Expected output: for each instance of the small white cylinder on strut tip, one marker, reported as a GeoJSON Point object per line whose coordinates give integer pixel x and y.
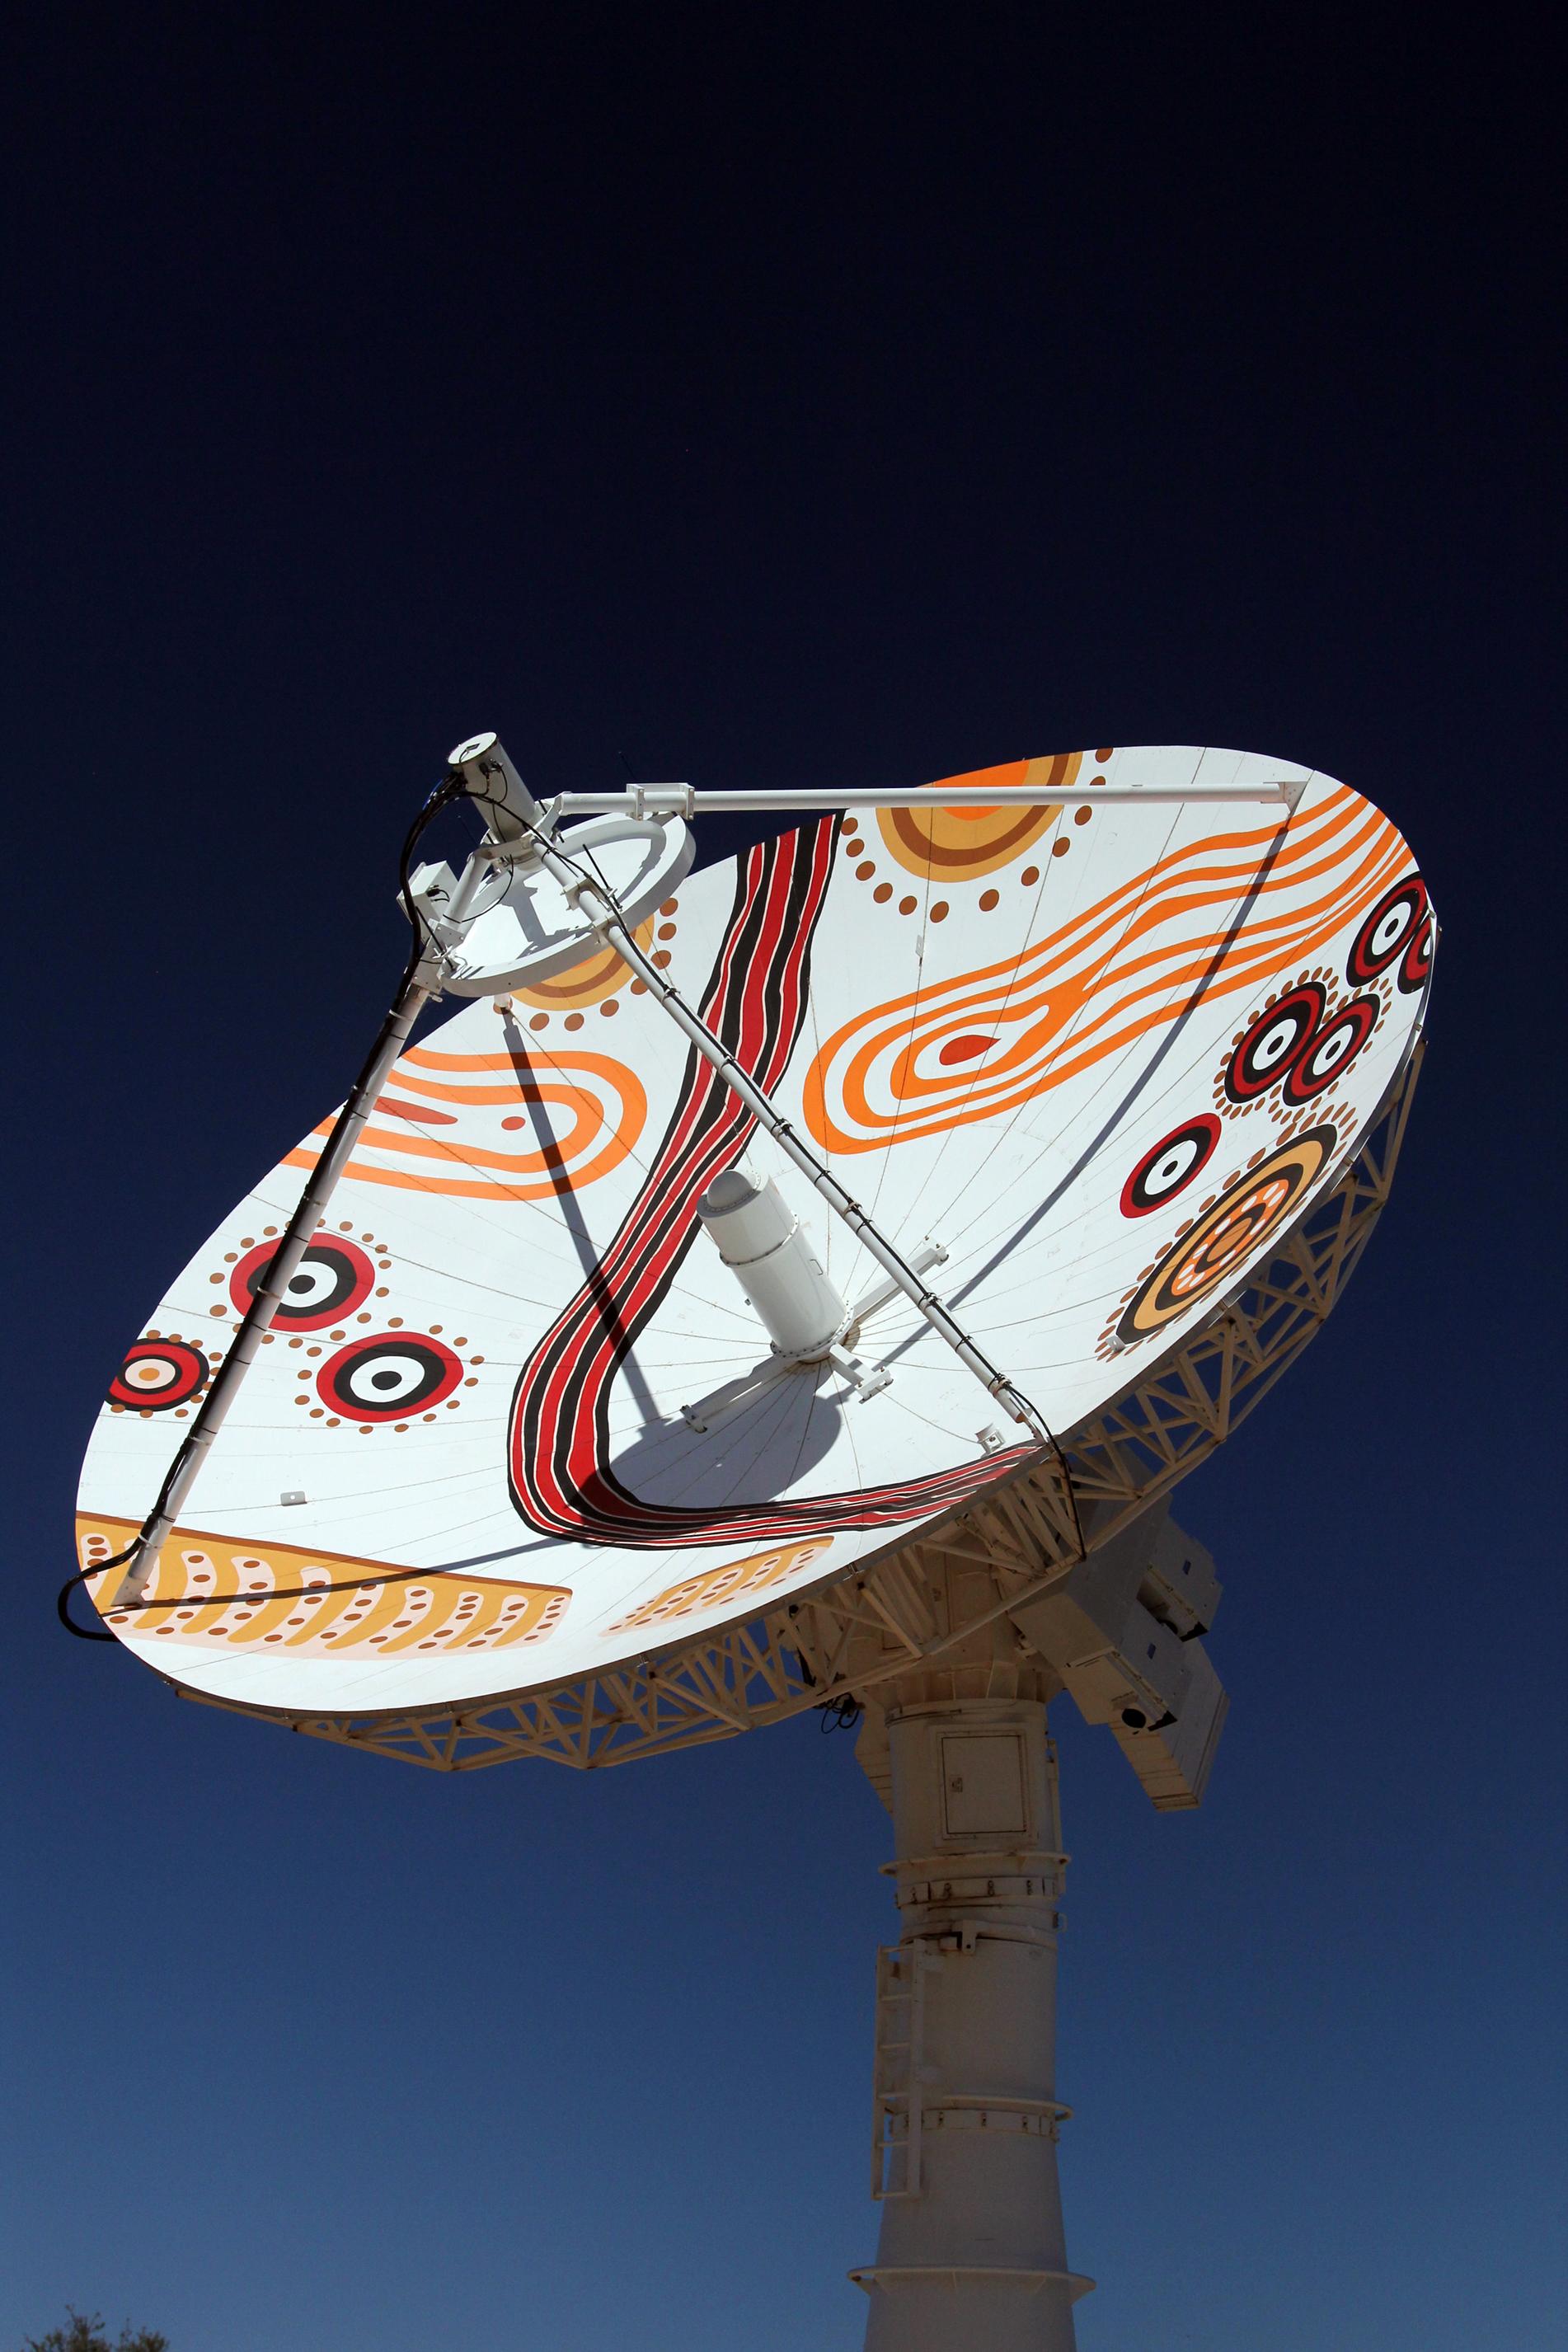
{"type": "Point", "coordinates": [474, 748]}
{"type": "Point", "coordinates": [760, 1239]}
{"type": "Point", "coordinates": [482, 762]}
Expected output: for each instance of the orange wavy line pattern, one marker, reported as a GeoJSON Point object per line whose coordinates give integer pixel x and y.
{"type": "Point", "coordinates": [1115, 966]}
{"type": "Point", "coordinates": [592, 1148]}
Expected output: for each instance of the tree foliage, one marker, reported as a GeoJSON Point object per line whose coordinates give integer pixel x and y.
{"type": "Point", "coordinates": [82, 2334]}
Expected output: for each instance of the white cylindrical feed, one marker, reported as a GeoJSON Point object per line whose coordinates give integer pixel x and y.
{"type": "Point", "coordinates": [491, 778]}
{"type": "Point", "coordinates": [761, 1242]}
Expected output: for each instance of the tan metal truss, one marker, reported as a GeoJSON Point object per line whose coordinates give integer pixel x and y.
{"type": "Point", "coordinates": [919, 1597]}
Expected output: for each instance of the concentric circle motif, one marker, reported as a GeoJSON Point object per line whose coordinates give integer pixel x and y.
{"type": "Point", "coordinates": [388, 1375]}
{"type": "Point", "coordinates": [959, 837]}
{"type": "Point", "coordinates": [1330, 1050]}
{"type": "Point", "coordinates": [158, 1374]}
{"type": "Point", "coordinates": [1393, 925]}
{"type": "Point", "coordinates": [1169, 1167]}
{"type": "Point", "coordinates": [1415, 964]}
{"type": "Point", "coordinates": [588, 983]}
{"type": "Point", "coordinates": [1213, 1251]}
{"type": "Point", "coordinates": [331, 1280]}
{"type": "Point", "coordinates": [1272, 1040]}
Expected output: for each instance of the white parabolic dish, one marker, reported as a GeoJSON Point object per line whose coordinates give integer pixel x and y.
{"type": "Point", "coordinates": [1102, 1057]}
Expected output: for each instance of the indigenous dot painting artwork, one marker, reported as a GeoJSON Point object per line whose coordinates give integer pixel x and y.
{"type": "Point", "coordinates": [1103, 1058]}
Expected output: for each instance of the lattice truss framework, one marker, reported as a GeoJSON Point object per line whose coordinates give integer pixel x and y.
{"type": "Point", "coordinates": [918, 1599]}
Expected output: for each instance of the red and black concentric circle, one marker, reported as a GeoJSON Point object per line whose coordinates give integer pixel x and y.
{"type": "Point", "coordinates": [331, 1280]}
{"type": "Point", "coordinates": [1330, 1050]}
{"type": "Point", "coordinates": [1216, 1249]}
{"type": "Point", "coordinates": [1415, 964]}
{"type": "Point", "coordinates": [388, 1376]}
{"type": "Point", "coordinates": [1170, 1165]}
{"type": "Point", "coordinates": [1272, 1040]}
{"type": "Point", "coordinates": [1391, 927]}
{"type": "Point", "coordinates": [158, 1374]}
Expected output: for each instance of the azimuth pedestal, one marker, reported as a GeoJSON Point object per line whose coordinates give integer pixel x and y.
{"type": "Point", "coordinates": [971, 2253]}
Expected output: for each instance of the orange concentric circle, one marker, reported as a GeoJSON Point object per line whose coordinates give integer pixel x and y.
{"type": "Point", "coordinates": [588, 983]}
{"type": "Point", "coordinates": [961, 839]}
{"type": "Point", "coordinates": [1213, 1251]}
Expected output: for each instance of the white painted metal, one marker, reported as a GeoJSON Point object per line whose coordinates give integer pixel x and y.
{"type": "Point", "coordinates": [864, 1380]}
{"type": "Point", "coordinates": [509, 923]}
{"type": "Point", "coordinates": [972, 2255]}
{"type": "Point", "coordinates": [763, 1244]}
{"type": "Point", "coordinates": [273, 1286]}
{"type": "Point", "coordinates": [882, 1294]}
{"type": "Point", "coordinates": [1120, 1630]}
{"type": "Point", "coordinates": [1179, 1585]}
{"type": "Point", "coordinates": [490, 779]}
{"type": "Point", "coordinates": [691, 801]}
{"type": "Point", "coordinates": [510, 1153]}
{"type": "Point", "coordinates": [852, 1634]}
{"type": "Point", "coordinates": [957, 1633]}
{"type": "Point", "coordinates": [504, 929]}
{"type": "Point", "coordinates": [604, 919]}
{"type": "Point", "coordinates": [1174, 1759]}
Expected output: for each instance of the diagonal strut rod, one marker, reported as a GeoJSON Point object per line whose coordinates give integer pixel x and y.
{"type": "Point", "coordinates": [597, 902]}
{"type": "Point", "coordinates": [521, 824]}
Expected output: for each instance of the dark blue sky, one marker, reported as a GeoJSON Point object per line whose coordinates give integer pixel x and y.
{"type": "Point", "coordinates": [852, 397]}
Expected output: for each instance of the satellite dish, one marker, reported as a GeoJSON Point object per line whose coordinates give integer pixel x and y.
{"type": "Point", "coordinates": [794, 1284]}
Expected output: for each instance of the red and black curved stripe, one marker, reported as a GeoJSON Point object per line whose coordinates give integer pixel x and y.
{"type": "Point", "coordinates": [755, 1001]}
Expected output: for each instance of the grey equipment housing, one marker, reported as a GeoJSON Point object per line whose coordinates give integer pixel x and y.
{"type": "Point", "coordinates": [1122, 1632]}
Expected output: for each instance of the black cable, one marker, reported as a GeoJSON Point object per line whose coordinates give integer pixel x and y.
{"type": "Point", "coordinates": [839, 1714]}
{"type": "Point", "coordinates": [221, 1600]}
{"type": "Point", "coordinates": [450, 788]}
{"type": "Point", "coordinates": [62, 1598]}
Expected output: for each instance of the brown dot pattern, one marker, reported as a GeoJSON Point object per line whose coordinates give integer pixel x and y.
{"type": "Point", "coordinates": [665, 929]}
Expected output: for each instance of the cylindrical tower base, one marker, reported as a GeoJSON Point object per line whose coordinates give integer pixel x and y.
{"type": "Point", "coordinates": [936, 2310]}
{"type": "Point", "coordinates": [970, 2256]}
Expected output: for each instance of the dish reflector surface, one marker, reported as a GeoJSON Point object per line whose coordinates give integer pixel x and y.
{"type": "Point", "coordinates": [1101, 1057]}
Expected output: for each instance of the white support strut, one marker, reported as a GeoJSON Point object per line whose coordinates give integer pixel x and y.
{"type": "Point", "coordinates": [524, 829]}
{"type": "Point", "coordinates": [271, 1290]}
{"type": "Point", "coordinates": [689, 801]}
{"type": "Point", "coordinates": [521, 825]}
{"type": "Point", "coordinates": [601, 913]}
